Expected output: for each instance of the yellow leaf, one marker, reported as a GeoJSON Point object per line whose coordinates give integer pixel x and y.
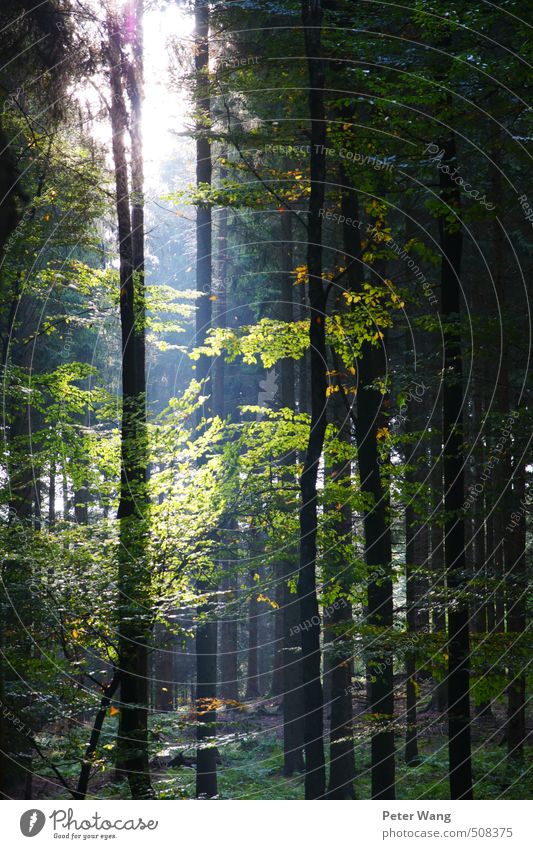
{"type": "Point", "coordinates": [268, 600]}
{"type": "Point", "coordinates": [113, 711]}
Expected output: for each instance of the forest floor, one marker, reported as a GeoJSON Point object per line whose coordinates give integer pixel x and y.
{"type": "Point", "coordinates": [251, 758]}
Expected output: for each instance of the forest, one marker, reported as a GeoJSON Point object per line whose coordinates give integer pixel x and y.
{"type": "Point", "coordinates": [265, 472]}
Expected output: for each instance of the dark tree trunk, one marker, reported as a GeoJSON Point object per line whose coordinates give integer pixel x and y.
{"type": "Point", "coordinates": [16, 616]}
{"type": "Point", "coordinates": [206, 628]}
{"type": "Point", "coordinates": [228, 630]}
{"type": "Point", "coordinates": [491, 543]}
{"type": "Point", "coordinates": [339, 651]}
{"type": "Point", "coordinates": [315, 771]}
{"type": "Point", "coordinates": [453, 472]}
{"type": "Point", "coordinates": [52, 495]}
{"type": "Point", "coordinates": [517, 588]}
{"type": "Point", "coordinates": [438, 611]}
{"type": "Point", "coordinates": [288, 669]}
{"type": "Point", "coordinates": [499, 551]}
{"type": "Point", "coordinates": [88, 758]}
{"type": "Point", "coordinates": [11, 190]}
{"type": "Point", "coordinates": [287, 400]}
{"type": "Point", "coordinates": [477, 547]}
{"type": "Point", "coordinates": [439, 689]}
{"type": "Point", "coordinates": [416, 557]}
{"type": "Point", "coordinates": [378, 554]}
{"type": "Point", "coordinates": [293, 694]}
{"type": "Point", "coordinates": [228, 625]}
{"type": "Point", "coordinates": [134, 577]}
{"type": "Point", "coordinates": [341, 753]}
{"type": "Point", "coordinates": [276, 688]}
{"type": "Point", "coordinates": [378, 559]}
{"type": "Point", "coordinates": [252, 676]}
{"type": "Point", "coordinates": [163, 665]}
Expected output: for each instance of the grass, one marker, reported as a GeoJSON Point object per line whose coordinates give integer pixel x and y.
{"type": "Point", "coordinates": [253, 768]}
{"type": "Point", "coordinates": [255, 772]}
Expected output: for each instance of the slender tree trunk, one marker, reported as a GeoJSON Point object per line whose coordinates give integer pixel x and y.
{"type": "Point", "coordinates": [15, 599]}
{"type": "Point", "coordinates": [228, 625]}
{"type": "Point", "coordinates": [252, 678]}
{"type": "Point", "coordinates": [206, 628]}
{"type": "Point", "coordinates": [315, 772]}
{"type": "Point", "coordinates": [453, 468]}
{"type": "Point", "coordinates": [88, 758]}
{"type": "Point", "coordinates": [517, 587]}
{"type": "Point", "coordinates": [163, 665]}
{"type": "Point", "coordinates": [287, 400]}
{"type": "Point", "coordinates": [339, 652]}
{"type": "Point", "coordinates": [134, 575]}
{"type": "Point", "coordinates": [52, 495]}
{"type": "Point", "coordinates": [228, 628]}
{"type": "Point", "coordinates": [288, 669]}
{"type": "Point", "coordinates": [416, 557]}
{"type": "Point", "coordinates": [478, 548]}
{"type": "Point", "coordinates": [439, 691]}
{"type": "Point", "coordinates": [276, 688]}
{"type": "Point", "coordinates": [293, 694]}
{"type": "Point", "coordinates": [378, 559]}
{"type": "Point", "coordinates": [378, 553]}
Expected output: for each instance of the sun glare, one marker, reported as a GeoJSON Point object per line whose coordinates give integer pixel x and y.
{"type": "Point", "coordinates": [165, 108]}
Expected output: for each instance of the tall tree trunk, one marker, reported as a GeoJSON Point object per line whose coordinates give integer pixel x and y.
{"type": "Point", "coordinates": [228, 641]}
{"type": "Point", "coordinates": [378, 553]}
{"type": "Point", "coordinates": [339, 653]}
{"type": "Point", "coordinates": [478, 548]}
{"type": "Point", "coordinates": [315, 771]}
{"type": "Point", "coordinates": [276, 688]}
{"type": "Point", "coordinates": [134, 575]}
{"type": "Point", "coordinates": [252, 675]}
{"type": "Point", "coordinates": [288, 667]}
{"type": "Point", "coordinates": [163, 666]}
{"type": "Point", "coordinates": [229, 672]}
{"type": "Point", "coordinates": [206, 628]}
{"type": "Point", "coordinates": [52, 494]}
{"type": "Point", "coordinates": [416, 557]}
{"type": "Point", "coordinates": [451, 239]}
{"type": "Point", "coordinates": [517, 587]}
{"type": "Point", "coordinates": [228, 625]}
{"type": "Point", "coordinates": [439, 691]}
{"type": "Point", "coordinates": [378, 559]}
{"type": "Point", "coordinates": [15, 599]}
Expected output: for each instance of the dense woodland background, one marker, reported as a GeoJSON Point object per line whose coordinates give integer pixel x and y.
{"type": "Point", "coordinates": [265, 479]}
